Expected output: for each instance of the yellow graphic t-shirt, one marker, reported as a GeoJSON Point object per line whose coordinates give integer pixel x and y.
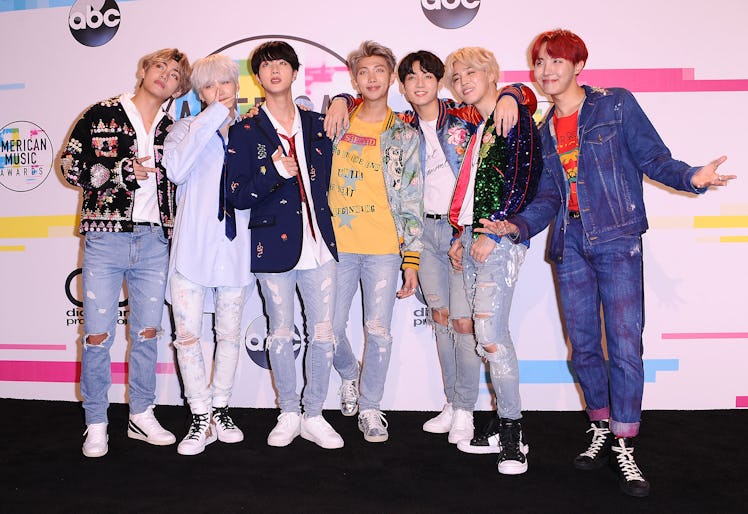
{"type": "Point", "coordinates": [361, 214]}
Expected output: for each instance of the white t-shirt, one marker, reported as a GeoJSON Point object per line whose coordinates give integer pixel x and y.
{"type": "Point", "coordinates": [439, 182]}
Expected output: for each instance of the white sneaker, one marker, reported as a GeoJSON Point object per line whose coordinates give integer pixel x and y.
{"type": "Point", "coordinates": [145, 426]}
{"type": "Point", "coordinates": [317, 430]}
{"type": "Point", "coordinates": [442, 422]}
{"type": "Point", "coordinates": [462, 427]}
{"type": "Point", "coordinates": [200, 435]}
{"type": "Point", "coordinates": [349, 397]}
{"type": "Point", "coordinates": [227, 431]}
{"type": "Point", "coordinates": [286, 430]}
{"type": "Point", "coordinates": [372, 423]}
{"type": "Point", "coordinates": [96, 443]}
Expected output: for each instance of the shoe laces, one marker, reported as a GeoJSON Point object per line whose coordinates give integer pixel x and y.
{"type": "Point", "coordinates": [320, 423]}
{"type": "Point", "coordinates": [373, 419]}
{"type": "Point", "coordinates": [287, 418]}
{"type": "Point", "coordinates": [510, 435]}
{"type": "Point", "coordinates": [462, 419]}
{"type": "Point", "coordinates": [96, 431]}
{"type": "Point", "coordinates": [221, 415]}
{"type": "Point", "coordinates": [147, 421]}
{"type": "Point", "coordinates": [626, 463]}
{"type": "Point", "coordinates": [599, 437]}
{"type": "Point", "coordinates": [199, 423]}
{"type": "Point", "coordinates": [349, 391]}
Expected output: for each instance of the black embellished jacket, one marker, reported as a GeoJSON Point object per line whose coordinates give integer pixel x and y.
{"type": "Point", "coordinates": [98, 159]}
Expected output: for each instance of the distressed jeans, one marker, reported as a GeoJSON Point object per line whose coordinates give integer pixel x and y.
{"type": "Point", "coordinates": [378, 275]}
{"type": "Point", "coordinates": [317, 288]}
{"type": "Point", "coordinates": [490, 287]}
{"type": "Point", "coordinates": [140, 258]}
{"type": "Point", "coordinates": [609, 274]}
{"type": "Point", "coordinates": [444, 288]}
{"type": "Point", "coordinates": [187, 299]}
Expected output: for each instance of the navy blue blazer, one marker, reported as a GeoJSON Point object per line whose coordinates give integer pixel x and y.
{"type": "Point", "coordinates": [275, 202]}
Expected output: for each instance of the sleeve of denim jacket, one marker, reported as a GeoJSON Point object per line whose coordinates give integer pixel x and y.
{"type": "Point", "coordinates": [543, 208]}
{"type": "Point", "coordinates": [648, 150]}
{"type": "Point", "coordinates": [251, 176]}
{"type": "Point", "coordinates": [187, 139]}
{"type": "Point", "coordinates": [410, 201]}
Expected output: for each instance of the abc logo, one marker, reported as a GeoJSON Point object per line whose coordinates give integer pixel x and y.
{"type": "Point", "coordinates": [254, 342]}
{"type": "Point", "coordinates": [94, 22]}
{"type": "Point", "coordinates": [450, 14]}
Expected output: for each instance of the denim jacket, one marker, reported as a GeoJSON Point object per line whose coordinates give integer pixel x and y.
{"type": "Point", "coordinates": [617, 146]}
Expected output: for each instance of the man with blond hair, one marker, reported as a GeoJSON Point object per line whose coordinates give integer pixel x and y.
{"type": "Point", "coordinates": [127, 215]}
{"type": "Point", "coordinates": [498, 177]}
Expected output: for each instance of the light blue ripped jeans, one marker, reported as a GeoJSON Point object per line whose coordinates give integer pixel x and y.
{"type": "Point", "coordinates": [378, 275]}
{"type": "Point", "coordinates": [490, 287]}
{"type": "Point", "coordinates": [187, 299]}
{"type": "Point", "coordinates": [444, 288]}
{"type": "Point", "coordinates": [317, 288]}
{"type": "Point", "coordinates": [141, 258]}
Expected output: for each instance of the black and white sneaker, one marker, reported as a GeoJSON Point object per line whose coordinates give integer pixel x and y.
{"type": "Point", "coordinates": [487, 441]}
{"type": "Point", "coordinates": [630, 477]}
{"type": "Point", "coordinates": [224, 426]}
{"type": "Point", "coordinates": [513, 456]}
{"type": "Point", "coordinates": [599, 450]}
{"type": "Point", "coordinates": [200, 435]}
{"type": "Point", "coordinates": [145, 427]}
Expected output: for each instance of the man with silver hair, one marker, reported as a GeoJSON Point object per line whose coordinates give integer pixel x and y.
{"type": "Point", "coordinates": [208, 271]}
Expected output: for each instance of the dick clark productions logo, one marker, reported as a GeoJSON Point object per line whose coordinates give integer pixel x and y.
{"type": "Point", "coordinates": [94, 22]}
{"type": "Point", "coordinates": [450, 14]}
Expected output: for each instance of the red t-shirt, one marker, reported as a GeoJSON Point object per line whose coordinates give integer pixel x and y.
{"type": "Point", "coordinates": [568, 152]}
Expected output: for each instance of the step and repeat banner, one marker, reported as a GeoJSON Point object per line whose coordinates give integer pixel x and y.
{"type": "Point", "coordinates": [684, 68]}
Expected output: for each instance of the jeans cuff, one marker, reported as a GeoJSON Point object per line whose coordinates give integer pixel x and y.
{"type": "Point", "coordinates": [599, 414]}
{"type": "Point", "coordinates": [620, 429]}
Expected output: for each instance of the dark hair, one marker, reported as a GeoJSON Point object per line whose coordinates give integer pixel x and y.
{"type": "Point", "coordinates": [273, 51]}
{"type": "Point", "coordinates": [560, 43]}
{"type": "Point", "coordinates": [429, 63]}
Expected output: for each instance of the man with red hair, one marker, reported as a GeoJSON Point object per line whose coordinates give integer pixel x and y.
{"type": "Point", "coordinates": [603, 137]}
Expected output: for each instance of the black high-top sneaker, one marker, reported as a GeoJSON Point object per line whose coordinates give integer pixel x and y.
{"type": "Point", "coordinates": [599, 450]}
{"type": "Point", "coordinates": [486, 441]}
{"type": "Point", "coordinates": [631, 479]}
{"type": "Point", "coordinates": [513, 456]}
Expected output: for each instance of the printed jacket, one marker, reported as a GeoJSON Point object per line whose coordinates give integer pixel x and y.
{"type": "Point", "coordinates": [401, 169]}
{"type": "Point", "coordinates": [253, 182]}
{"type": "Point", "coordinates": [617, 146]}
{"type": "Point", "coordinates": [98, 159]}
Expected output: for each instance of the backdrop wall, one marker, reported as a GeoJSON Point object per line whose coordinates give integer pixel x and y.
{"type": "Point", "coordinates": [684, 67]}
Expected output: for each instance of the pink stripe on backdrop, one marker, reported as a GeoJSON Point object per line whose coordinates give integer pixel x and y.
{"type": "Point", "coordinates": [741, 401]}
{"type": "Point", "coordinates": [32, 347]}
{"type": "Point", "coordinates": [705, 335]}
{"type": "Point", "coordinates": [42, 371]}
{"type": "Point", "coordinates": [652, 80]}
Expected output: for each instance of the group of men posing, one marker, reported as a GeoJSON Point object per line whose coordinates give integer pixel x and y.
{"type": "Point", "coordinates": [447, 195]}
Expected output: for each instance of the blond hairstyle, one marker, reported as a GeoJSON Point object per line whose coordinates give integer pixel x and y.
{"type": "Point", "coordinates": [164, 56]}
{"type": "Point", "coordinates": [474, 57]}
{"type": "Point", "coordinates": [370, 49]}
{"type": "Point", "coordinates": [211, 68]}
